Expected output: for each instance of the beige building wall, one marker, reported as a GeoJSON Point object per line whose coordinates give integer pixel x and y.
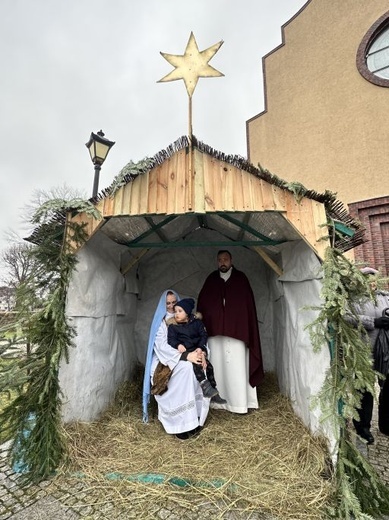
{"type": "Point", "coordinates": [324, 125]}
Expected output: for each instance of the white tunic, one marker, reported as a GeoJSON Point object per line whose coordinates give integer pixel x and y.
{"type": "Point", "coordinates": [230, 360]}
{"type": "Point", "coordinates": [182, 407]}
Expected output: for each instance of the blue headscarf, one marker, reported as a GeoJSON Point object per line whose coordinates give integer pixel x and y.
{"type": "Point", "coordinates": [159, 314]}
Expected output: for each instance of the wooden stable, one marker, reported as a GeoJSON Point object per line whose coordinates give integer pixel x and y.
{"type": "Point", "coordinates": [192, 181]}
{"type": "Point", "coordinates": [161, 224]}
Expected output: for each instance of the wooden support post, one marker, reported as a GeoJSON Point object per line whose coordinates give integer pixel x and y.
{"type": "Point", "coordinates": [134, 261]}
{"type": "Point", "coordinates": [268, 260]}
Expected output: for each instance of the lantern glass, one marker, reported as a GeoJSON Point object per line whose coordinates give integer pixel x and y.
{"type": "Point", "coordinates": [98, 147]}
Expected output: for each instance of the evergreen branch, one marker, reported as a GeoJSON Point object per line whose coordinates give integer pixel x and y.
{"type": "Point", "coordinates": [358, 490]}
{"type": "Point", "coordinates": [52, 208]}
{"type": "Point", "coordinates": [129, 172]}
{"type": "Point", "coordinates": [32, 421]}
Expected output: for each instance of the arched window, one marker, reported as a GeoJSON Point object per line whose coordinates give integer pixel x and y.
{"type": "Point", "coordinates": [377, 58]}
{"type": "Point", "coordinates": [373, 53]}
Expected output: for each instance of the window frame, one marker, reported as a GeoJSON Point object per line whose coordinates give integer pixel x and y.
{"type": "Point", "coordinates": [378, 26]}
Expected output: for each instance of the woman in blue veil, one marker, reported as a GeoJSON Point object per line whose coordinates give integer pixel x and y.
{"type": "Point", "coordinates": [182, 409]}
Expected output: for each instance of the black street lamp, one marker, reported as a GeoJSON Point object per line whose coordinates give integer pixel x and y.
{"type": "Point", "coordinates": [98, 148]}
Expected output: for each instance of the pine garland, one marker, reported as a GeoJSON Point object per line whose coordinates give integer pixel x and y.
{"type": "Point", "coordinates": [32, 421]}
{"type": "Point", "coordinates": [358, 490]}
{"type": "Point", "coordinates": [129, 172]}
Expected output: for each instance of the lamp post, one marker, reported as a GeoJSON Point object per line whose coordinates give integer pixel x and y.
{"type": "Point", "coordinates": [98, 147]}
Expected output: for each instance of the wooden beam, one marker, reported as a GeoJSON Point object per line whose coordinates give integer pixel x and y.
{"type": "Point", "coordinates": [182, 243]}
{"type": "Point", "coordinates": [133, 261]}
{"type": "Point", "coordinates": [308, 218]}
{"type": "Point", "coordinates": [268, 260]}
{"type": "Point", "coordinates": [249, 229]}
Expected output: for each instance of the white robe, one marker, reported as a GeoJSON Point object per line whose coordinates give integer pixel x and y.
{"type": "Point", "coordinates": [182, 407]}
{"type": "Point", "coordinates": [230, 360]}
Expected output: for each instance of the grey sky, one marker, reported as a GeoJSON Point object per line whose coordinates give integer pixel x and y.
{"type": "Point", "coordinates": [69, 67]}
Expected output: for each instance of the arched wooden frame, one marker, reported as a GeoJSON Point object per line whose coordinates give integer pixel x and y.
{"type": "Point", "coordinates": [367, 40]}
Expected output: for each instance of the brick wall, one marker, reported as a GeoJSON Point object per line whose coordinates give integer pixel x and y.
{"type": "Point", "coordinates": [374, 215]}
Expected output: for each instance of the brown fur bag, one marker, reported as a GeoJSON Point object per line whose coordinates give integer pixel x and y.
{"type": "Point", "coordinates": [161, 378]}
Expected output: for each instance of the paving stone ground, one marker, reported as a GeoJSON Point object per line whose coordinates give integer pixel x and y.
{"type": "Point", "coordinates": [57, 500]}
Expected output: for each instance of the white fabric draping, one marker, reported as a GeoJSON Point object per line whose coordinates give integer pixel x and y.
{"type": "Point", "coordinates": [230, 360]}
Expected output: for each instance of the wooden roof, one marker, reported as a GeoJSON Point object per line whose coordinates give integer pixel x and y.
{"type": "Point", "coordinates": [192, 179]}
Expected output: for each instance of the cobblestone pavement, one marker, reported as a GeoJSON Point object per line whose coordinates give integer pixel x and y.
{"type": "Point", "coordinates": [58, 500]}
{"type": "Point", "coordinates": [378, 454]}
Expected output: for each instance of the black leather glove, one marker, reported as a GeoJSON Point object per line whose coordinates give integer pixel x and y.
{"type": "Point", "coordinates": [381, 323]}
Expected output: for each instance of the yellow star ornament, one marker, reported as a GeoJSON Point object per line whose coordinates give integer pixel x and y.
{"type": "Point", "coordinates": [192, 65]}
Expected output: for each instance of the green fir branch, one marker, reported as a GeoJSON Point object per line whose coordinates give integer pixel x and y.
{"type": "Point", "coordinates": [130, 170]}
{"type": "Point", "coordinates": [358, 491]}
{"type": "Point", "coordinates": [32, 420]}
{"type": "Point", "coordinates": [50, 209]}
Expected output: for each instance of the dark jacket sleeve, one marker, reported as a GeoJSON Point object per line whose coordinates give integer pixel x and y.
{"type": "Point", "coordinates": [203, 336]}
{"type": "Point", "coordinates": [172, 336]}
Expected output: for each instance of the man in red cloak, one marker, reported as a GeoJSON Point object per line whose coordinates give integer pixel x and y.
{"type": "Point", "coordinates": [227, 305]}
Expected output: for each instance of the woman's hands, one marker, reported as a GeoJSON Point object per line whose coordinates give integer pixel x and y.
{"type": "Point", "coordinates": [197, 357]}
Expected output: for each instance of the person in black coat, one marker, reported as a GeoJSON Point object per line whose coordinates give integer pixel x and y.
{"type": "Point", "coordinates": [373, 317]}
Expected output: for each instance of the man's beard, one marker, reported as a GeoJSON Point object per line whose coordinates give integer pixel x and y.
{"type": "Point", "coordinates": [223, 268]}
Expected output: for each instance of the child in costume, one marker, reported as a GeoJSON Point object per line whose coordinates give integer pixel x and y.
{"type": "Point", "coordinates": [187, 333]}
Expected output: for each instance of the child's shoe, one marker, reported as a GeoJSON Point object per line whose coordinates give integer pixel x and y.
{"type": "Point", "coordinates": [207, 388]}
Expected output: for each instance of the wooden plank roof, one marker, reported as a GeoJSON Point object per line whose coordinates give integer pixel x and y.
{"type": "Point", "coordinates": [190, 178]}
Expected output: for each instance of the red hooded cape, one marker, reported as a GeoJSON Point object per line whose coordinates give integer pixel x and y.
{"type": "Point", "coordinates": [236, 319]}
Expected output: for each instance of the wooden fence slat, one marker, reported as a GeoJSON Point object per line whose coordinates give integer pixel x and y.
{"type": "Point", "coordinates": [135, 194]}
{"type": "Point", "coordinates": [268, 202]}
{"type": "Point", "coordinates": [218, 184]}
{"type": "Point", "coordinates": [181, 190]}
{"type": "Point", "coordinates": [256, 194]}
{"type": "Point", "coordinates": [247, 192]}
{"type": "Point", "coordinates": [162, 188]}
{"type": "Point", "coordinates": [143, 194]}
{"type": "Point", "coordinates": [153, 190]}
{"type": "Point", "coordinates": [208, 185]}
{"type": "Point", "coordinates": [118, 202]}
{"type": "Point", "coordinates": [126, 206]}
{"type": "Point", "coordinates": [237, 187]}
{"type": "Point", "coordinates": [108, 207]}
{"type": "Point", "coordinates": [199, 202]}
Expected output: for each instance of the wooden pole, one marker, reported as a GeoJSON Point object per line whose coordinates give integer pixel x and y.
{"type": "Point", "coordinates": [190, 119]}
{"type": "Point", "coordinates": [190, 158]}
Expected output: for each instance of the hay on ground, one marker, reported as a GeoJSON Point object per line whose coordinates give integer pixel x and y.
{"type": "Point", "coordinates": [264, 461]}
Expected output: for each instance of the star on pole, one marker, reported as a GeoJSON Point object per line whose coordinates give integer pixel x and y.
{"type": "Point", "coordinates": [192, 65]}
